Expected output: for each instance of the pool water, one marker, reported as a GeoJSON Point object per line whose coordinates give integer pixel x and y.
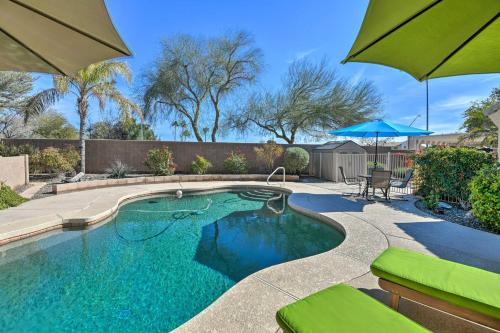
{"type": "Point", "coordinates": [155, 265]}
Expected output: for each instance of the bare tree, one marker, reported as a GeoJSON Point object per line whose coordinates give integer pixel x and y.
{"type": "Point", "coordinates": [313, 99]}
{"type": "Point", "coordinates": [193, 75]}
{"type": "Point", "coordinates": [234, 62]}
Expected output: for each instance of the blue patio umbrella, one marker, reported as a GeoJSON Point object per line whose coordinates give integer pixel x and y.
{"type": "Point", "coordinates": [378, 128]}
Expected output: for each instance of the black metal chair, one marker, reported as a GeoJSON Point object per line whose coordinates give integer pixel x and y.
{"type": "Point", "coordinates": [350, 180]}
{"type": "Point", "coordinates": [382, 180]}
{"type": "Point", "coordinates": [403, 183]}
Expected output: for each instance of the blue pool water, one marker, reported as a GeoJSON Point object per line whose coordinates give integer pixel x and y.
{"type": "Point", "coordinates": [155, 265]}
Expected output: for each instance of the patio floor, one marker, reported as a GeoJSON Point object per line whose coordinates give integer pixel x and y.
{"type": "Point", "coordinates": [251, 304]}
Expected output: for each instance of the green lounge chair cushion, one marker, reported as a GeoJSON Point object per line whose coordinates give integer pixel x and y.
{"type": "Point", "coordinates": [462, 285]}
{"type": "Point", "coordinates": [342, 309]}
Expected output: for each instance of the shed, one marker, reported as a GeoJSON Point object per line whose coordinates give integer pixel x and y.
{"type": "Point", "coordinates": [325, 158]}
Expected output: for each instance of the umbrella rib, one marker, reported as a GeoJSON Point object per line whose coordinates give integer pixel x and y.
{"type": "Point", "coordinates": [86, 34]}
{"type": "Point", "coordinates": [411, 18]}
{"type": "Point", "coordinates": [461, 46]}
{"type": "Point", "coordinates": [38, 55]}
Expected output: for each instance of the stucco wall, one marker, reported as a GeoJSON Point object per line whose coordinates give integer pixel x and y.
{"type": "Point", "coordinates": [14, 171]}
{"type": "Point", "coordinates": [101, 153]}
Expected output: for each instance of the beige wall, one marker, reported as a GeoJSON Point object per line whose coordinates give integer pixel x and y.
{"type": "Point", "coordinates": [14, 171]}
{"type": "Point", "coordinates": [101, 153]}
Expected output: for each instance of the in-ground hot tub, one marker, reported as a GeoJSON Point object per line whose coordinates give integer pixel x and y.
{"type": "Point", "coordinates": [158, 262]}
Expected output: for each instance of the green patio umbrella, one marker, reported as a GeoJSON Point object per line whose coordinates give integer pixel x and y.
{"type": "Point", "coordinates": [56, 36]}
{"type": "Point", "coordinates": [430, 38]}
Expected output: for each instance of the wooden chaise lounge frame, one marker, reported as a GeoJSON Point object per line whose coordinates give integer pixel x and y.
{"type": "Point", "coordinates": [397, 291]}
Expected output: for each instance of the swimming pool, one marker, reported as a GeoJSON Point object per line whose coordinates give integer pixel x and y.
{"type": "Point", "coordinates": [158, 262]}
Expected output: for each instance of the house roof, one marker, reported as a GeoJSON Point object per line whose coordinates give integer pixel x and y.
{"type": "Point", "coordinates": [331, 145]}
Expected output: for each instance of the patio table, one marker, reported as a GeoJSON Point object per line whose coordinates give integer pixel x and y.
{"type": "Point", "coordinates": [368, 179]}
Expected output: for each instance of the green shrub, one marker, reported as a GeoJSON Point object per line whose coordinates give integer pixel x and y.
{"type": "Point", "coordinates": [447, 172]}
{"type": "Point", "coordinates": [118, 169]}
{"type": "Point", "coordinates": [49, 160]}
{"type": "Point", "coordinates": [485, 196]}
{"type": "Point", "coordinates": [9, 198]}
{"type": "Point", "coordinates": [200, 165]}
{"type": "Point", "coordinates": [296, 160]}
{"type": "Point", "coordinates": [236, 163]}
{"type": "Point", "coordinates": [268, 154]}
{"type": "Point", "coordinates": [10, 150]}
{"type": "Point", "coordinates": [431, 200]}
{"type": "Point", "coordinates": [71, 155]}
{"type": "Point", "coordinates": [161, 162]}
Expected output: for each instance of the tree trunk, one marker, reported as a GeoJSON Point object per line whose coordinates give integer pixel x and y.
{"type": "Point", "coordinates": [216, 121]}
{"type": "Point", "coordinates": [82, 111]}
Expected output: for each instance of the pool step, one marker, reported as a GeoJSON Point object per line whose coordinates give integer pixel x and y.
{"type": "Point", "coordinates": [260, 195]}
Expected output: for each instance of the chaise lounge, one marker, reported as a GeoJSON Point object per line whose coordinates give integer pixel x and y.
{"type": "Point", "coordinates": [343, 309]}
{"type": "Point", "coordinates": [464, 291]}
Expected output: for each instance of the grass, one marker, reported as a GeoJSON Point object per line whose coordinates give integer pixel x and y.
{"type": "Point", "coordinates": [9, 198]}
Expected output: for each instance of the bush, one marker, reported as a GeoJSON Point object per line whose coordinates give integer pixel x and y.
{"type": "Point", "coordinates": [485, 196]}
{"type": "Point", "coordinates": [71, 155]}
{"type": "Point", "coordinates": [161, 162]}
{"type": "Point", "coordinates": [49, 160]}
{"type": "Point", "coordinates": [296, 160]}
{"type": "Point", "coordinates": [7, 150]}
{"type": "Point", "coordinates": [9, 198]}
{"type": "Point", "coordinates": [447, 172]}
{"type": "Point", "coordinates": [200, 165]}
{"type": "Point", "coordinates": [236, 163]}
{"type": "Point", "coordinates": [268, 154]}
{"type": "Point", "coordinates": [118, 169]}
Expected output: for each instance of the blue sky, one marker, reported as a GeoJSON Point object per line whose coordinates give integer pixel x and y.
{"type": "Point", "coordinates": [288, 30]}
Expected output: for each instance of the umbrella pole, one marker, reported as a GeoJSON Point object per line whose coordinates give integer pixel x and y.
{"type": "Point", "coordinates": [376, 151]}
{"type": "Point", "coordinates": [427, 105]}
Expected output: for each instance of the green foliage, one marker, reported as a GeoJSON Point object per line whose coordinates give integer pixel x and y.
{"type": "Point", "coordinates": [53, 125]}
{"type": "Point", "coordinates": [50, 160]}
{"type": "Point", "coordinates": [200, 165]}
{"type": "Point", "coordinates": [71, 155]}
{"type": "Point", "coordinates": [431, 200]}
{"type": "Point", "coordinates": [161, 161]}
{"type": "Point", "coordinates": [236, 163]}
{"type": "Point", "coordinates": [10, 150]}
{"type": "Point", "coordinates": [126, 129]}
{"type": "Point", "coordinates": [268, 154]}
{"type": "Point", "coordinates": [296, 160]}
{"type": "Point", "coordinates": [118, 169]}
{"type": "Point", "coordinates": [477, 124]}
{"type": "Point", "coordinates": [9, 198]}
{"type": "Point", "coordinates": [447, 172]}
{"type": "Point", "coordinates": [485, 196]}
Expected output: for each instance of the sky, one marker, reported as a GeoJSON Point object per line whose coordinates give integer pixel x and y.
{"type": "Point", "coordinates": [285, 31]}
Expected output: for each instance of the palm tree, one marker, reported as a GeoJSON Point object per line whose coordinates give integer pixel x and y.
{"type": "Point", "coordinates": [185, 134]}
{"type": "Point", "coordinates": [205, 131]}
{"type": "Point", "coordinates": [175, 124]}
{"type": "Point", "coordinates": [96, 82]}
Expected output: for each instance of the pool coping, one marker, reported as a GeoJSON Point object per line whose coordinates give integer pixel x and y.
{"type": "Point", "coordinates": [281, 284]}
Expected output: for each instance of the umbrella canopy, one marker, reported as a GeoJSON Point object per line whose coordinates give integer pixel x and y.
{"type": "Point", "coordinates": [431, 38]}
{"type": "Point", "coordinates": [379, 128]}
{"type": "Point", "coordinates": [56, 36]}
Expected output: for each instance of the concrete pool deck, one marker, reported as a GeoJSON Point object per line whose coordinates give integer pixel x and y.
{"type": "Point", "coordinates": [251, 304]}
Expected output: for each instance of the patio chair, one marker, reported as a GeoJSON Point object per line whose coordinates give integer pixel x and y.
{"type": "Point", "coordinates": [464, 291]}
{"type": "Point", "coordinates": [403, 183]}
{"type": "Point", "coordinates": [381, 179]}
{"type": "Point", "coordinates": [342, 308]}
{"type": "Point", "coordinates": [350, 180]}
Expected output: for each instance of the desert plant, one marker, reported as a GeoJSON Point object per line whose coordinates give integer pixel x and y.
{"type": "Point", "coordinates": [268, 154]}
{"type": "Point", "coordinates": [448, 171]}
{"type": "Point", "coordinates": [9, 198]}
{"type": "Point", "coordinates": [11, 150]}
{"type": "Point", "coordinates": [236, 163]}
{"type": "Point", "coordinates": [71, 155]}
{"type": "Point", "coordinates": [200, 165]}
{"type": "Point", "coordinates": [118, 169]}
{"type": "Point", "coordinates": [161, 161]}
{"type": "Point", "coordinates": [49, 160]}
{"type": "Point", "coordinates": [296, 160]}
{"type": "Point", "coordinates": [485, 196]}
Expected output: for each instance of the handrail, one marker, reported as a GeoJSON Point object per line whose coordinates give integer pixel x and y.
{"type": "Point", "coordinates": [275, 211]}
{"type": "Point", "coordinates": [272, 174]}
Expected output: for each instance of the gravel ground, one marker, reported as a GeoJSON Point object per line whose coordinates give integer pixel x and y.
{"type": "Point", "coordinates": [456, 215]}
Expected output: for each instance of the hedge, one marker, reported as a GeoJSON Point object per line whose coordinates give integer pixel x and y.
{"type": "Point", "coordinates": [485, 197]}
